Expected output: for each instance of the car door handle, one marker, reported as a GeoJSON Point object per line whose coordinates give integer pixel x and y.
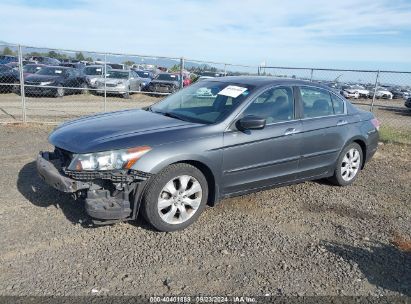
{"type": "Point", "coordinates": [342, 122]}
{"type": "Point", "coordinates": [290, 131]}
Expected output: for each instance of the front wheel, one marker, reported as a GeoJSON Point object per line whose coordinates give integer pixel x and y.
{"type": "Point", "coordinates": [59, 91]}
{"type": "Point", "coordinates": [175, 197]}
{"type": "Point", "coordinates": [348, 165]}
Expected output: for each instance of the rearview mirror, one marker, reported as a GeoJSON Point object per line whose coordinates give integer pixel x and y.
{"type": "Point", "coordinates": [251, 122]}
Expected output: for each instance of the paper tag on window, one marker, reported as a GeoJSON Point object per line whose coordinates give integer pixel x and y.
{"type": "Point", "coordinates": [58, 71]}
{"type": "Point", "coordinates": [232, 91]}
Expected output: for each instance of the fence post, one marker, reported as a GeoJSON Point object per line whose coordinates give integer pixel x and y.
{"type": "Point", "coordinates": [258, 70]}
{"type": "Point", "coordinates": [375, 90]}
{"type": "Point", "coordinates": [225, 69]}
{"type": "Point", "coordinates": [181, 72]}
{"type": "Point", "coordinates": [22, 93]}
{"type": "Point", "coordinates": [311, 75]}
{"type": "Point", "coordinates": [105, 85]}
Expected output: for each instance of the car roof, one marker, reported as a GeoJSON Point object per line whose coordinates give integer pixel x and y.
{"type": "Point", "coordinates": [261, 81]}
{"type": "Point", "coordinates": [119, 70]}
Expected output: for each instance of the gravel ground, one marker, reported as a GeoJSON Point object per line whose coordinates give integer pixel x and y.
{"type": "Point", "coordinates": [306, 239]}
{"type": "Point", "coordinates": [391, 113]}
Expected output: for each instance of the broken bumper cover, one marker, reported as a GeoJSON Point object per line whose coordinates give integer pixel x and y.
{"type": "Point", "coordinates": [49, 173]}
{"type": "Point", "coordinates": [99, 202]}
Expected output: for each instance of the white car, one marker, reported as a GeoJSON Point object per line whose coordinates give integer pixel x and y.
{"type": "Point", "coordinates": [383, 93]}
{"type": "Point", "coordinates": [347, 93]}
{"type": "Point", "coordinates": [362, 92]}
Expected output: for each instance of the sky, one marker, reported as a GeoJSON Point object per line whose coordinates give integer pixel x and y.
{"type": "Point", "coordinates": [362, 34]}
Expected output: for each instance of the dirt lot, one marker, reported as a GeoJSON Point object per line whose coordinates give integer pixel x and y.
{"type": "Point", "coordinates": [392, 113]}
{"type": "Point", "coordinates": [307, 239]}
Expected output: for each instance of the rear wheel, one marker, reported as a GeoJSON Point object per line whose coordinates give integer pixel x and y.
{"type": "Point", "coordinates": [348, 165]}
{"type": "Point", "coordinates": [175, 197]}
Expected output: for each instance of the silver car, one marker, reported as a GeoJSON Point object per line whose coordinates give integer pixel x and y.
{"type": "Point", "coordinates": [94, 72]}
{"type": "Point", "coordinates": [122, 82]}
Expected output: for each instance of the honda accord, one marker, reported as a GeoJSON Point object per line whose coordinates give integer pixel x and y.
{"type": "Point", "coordinates": [192, 149]}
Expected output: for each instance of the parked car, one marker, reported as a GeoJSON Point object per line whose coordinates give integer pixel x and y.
{"type": "Point", "coordinates": [348, 93]}
{"type": "Point", "coordinates": [30, 69]}
{"type": "Point", "coordinates": [45, 60]}
{"type": "Point", "coordinates": [4, 59]}
{"type": "Point", "coordinates": [382, 92]}
{"type": "Point", "coordinates": [92, 73]}
{"type": "Point", "coordinates": [147, 76]}
{"type": "Point", "coordinates": [408, 103]}
{"type": "Point", "coordinates": [164, 83]}
{"type": "Point", "coordinates": [117, 66]}
{"type": "Point", "coordinates": [122, 82]}
{"type": "Point", "coordinates": [354, 89]}
{"type": "Point", "coordinates": [55, 81]}
{"type": "Point", "coordinates": [8, 78]}
{"type": "Point", "coordinates": [173, 158]}
{"type": "Point", "coordinates": [74, 65]}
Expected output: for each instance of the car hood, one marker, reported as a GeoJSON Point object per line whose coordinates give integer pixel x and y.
{"type": "Point", "coordinates": [115, 130]}
{"type": "Point", "coordinates": [40, 78]}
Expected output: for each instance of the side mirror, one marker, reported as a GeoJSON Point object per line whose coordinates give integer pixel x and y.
{"type": "Point", "coordinates": [250, 122]}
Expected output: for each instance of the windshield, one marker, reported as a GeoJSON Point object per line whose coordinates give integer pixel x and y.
{"type": "Point", "coordinates": [118, 74]}
{"type": "Point", "coordinates": [52, 71]}
{"type": "Point", "coordinates": [169, 77]}
{"type": "Point", "coordinates": [205, 102]}
{"type": "Point", "coordinates": [4, 68]}
{"type": "Point", "coordinates": [31, 68]}
{"type": "Point", "coordinates": [93, 70]}
{"type": "Point", "coordinates": [143, 74]}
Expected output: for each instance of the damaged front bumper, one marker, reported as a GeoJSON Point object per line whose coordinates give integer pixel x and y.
{"type": "Point", "coordinates": [109, 196]}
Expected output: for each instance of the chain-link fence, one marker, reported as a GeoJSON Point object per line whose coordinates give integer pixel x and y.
{"type": "Point", "coordinates": [383, 92]}
{"type": "Point", "coordinates": [61, 84]}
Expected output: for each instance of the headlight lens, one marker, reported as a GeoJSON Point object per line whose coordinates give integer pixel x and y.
{"type": "Point", "coordinates": [46, 83]}
{"type": "Point", "coordinates": [109, 160]}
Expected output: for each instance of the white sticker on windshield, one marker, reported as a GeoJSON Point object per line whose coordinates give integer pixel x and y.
{"type": "Point", "coordinates": [98, 70]}
{"type": "Point", "coordinates": [173, 76]}
{"type": "Point", "coordinates": [232, 91]}
{"type": "Point", "coordinates": [58, 71]}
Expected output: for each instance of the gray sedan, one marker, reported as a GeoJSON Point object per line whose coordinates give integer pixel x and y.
{"type": "Point", "coordinates": [217, 138]}
{"type": "Point", "coordinates": [122, 82]}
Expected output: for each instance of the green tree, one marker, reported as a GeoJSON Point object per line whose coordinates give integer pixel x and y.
{"type": "Point", "coordinates": [175, 68]}
{"type": "Point", "coordinates": [8, 51]}
{"type": "Point", "coordinates": [129, 62]}
{"type": "Point", "coordinates": [80, 56]}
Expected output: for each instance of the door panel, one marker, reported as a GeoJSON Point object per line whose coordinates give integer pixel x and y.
{"type": "Point", "coordinates": [323, 132]}
{"type": "Point", "coordinates": [322, 141]}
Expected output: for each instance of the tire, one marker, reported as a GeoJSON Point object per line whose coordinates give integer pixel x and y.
{"type": "Point", "coordinates": [168, 216]}
{"type": "Point", "coordinates": [127, 94]}
{"type": "Point", "coordinates": [59, 91]}
{"type": "Point", "coordinates": [84, 89]}
{"type": "Point", "coordinates": [346, 173]}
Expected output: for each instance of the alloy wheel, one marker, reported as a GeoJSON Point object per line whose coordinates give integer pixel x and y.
{"type": "Point", "coordinates": [350, 164]}
{"type": "Point", "coordinates": [179, 199]}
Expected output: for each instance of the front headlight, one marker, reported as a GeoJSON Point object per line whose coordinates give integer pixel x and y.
{"type": "Point", "coordinates": [44, 83]}
{"type": "Point", "coordinates": [109, 160]}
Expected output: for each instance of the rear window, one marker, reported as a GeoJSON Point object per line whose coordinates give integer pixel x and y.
{"type": "Point", "coordinates": [316, 102]}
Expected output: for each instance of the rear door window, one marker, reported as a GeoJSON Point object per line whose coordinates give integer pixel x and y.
{"type": "Point", "coordinates": [338, 104]}
{"type": "Point", "coordinates": [316, 102]}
